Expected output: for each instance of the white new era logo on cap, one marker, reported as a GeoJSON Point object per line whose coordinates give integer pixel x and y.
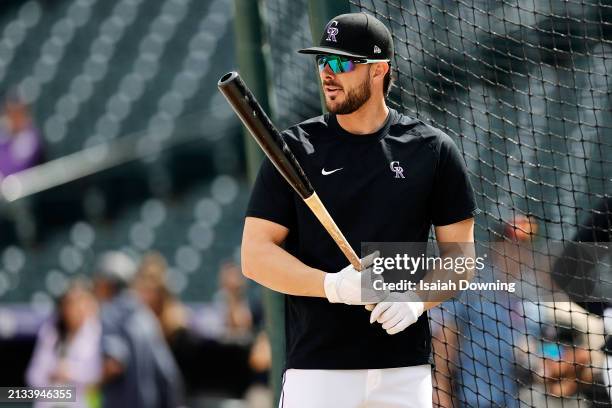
{"type": "Point", "coordinates": [376, 49]}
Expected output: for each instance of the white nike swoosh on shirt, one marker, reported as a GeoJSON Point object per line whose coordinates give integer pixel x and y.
{"type": "Point", "coordinates": [327, 173]}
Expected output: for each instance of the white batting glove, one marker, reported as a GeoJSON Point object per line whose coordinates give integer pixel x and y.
{"type": "Point", "coordinates": [346, 286]}
{"type": "Point", "coordinates": [397, 312]}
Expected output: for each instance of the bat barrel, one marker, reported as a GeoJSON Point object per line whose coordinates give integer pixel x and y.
{"type": "Point", "coordinates": [269, 138]}
{"type": "Point", "coordinates": [264, 132]}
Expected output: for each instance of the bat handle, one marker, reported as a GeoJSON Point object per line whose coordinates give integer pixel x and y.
{"type": "Point", "coordinates": [316, 206]}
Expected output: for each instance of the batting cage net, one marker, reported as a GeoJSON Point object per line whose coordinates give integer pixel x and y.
{"type": "Point", "coordinates": [114, 137]}
{"type": "Point", "coordinates": [287, 29]}
{"type": "Point", "coordinates": [523, 88]}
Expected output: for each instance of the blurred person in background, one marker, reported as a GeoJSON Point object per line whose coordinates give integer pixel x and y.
{"type": "Point", "coordinates": [232, 301]}
{"type": "Point", "coordinates": [564, 356]}
{"type": "Point", "coordinates": [139, 370]}
{"type": "Point", "coordinates": [233, 361]}
{"type": "Point", "coordinates": [520, 349]}
{"type": "Point", "coordinates": [20, 140]}
{"type": "Point", "coordinates": [583, 271]}
{"type": "Point", "coordinates": [152, 287]}
{"type": "Point", "coordinates": [476, 336]}
{"type": "Point", "coordinates": [67, 350]}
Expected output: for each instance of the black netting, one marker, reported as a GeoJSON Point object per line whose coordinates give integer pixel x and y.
{"type": "Point", "coordinates": [294, 91]}
{"type": "Point", "coordinates": [523, 88]}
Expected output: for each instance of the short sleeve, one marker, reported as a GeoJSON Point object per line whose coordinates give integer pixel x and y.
{"type": "Point", "coordinates": [272, 198]}
{"type": "Point", "coordinates": [453, 196]}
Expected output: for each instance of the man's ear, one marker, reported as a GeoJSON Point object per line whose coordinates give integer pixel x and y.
{"type": "Point", "coordinates": [380, 70]}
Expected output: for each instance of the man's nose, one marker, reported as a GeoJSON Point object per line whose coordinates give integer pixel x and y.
{"type": "Point", "coordinates": [327, 72]}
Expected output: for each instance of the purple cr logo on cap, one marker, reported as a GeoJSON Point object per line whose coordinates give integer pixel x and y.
{"type": "Point", "coordinates": [332, 31]}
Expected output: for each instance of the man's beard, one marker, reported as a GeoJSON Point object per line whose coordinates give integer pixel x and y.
{"type": "Point", "coordinates": [355, 98]}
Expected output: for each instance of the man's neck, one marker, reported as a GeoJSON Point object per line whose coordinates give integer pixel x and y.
{"type": "Point", "coordinates": [369, 118]}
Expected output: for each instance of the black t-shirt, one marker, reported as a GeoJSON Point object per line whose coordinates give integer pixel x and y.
{"type": "Point", "coordinates": [388, 186]}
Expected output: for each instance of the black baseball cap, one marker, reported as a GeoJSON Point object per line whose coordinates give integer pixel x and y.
{"type": "Point", "coordinates": [357, 35]}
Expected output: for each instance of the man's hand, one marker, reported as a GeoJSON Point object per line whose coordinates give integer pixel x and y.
{"type": "Point", "coordinates": [397, 312]}
{"type": "Point", "coordinates": [346, 286]}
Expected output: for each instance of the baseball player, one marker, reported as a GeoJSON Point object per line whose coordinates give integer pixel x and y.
{"type": "Point", "coordinates": [383, 177]}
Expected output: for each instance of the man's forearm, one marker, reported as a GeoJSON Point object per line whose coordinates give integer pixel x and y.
{"type": "Point", "coordinates": [271, 266]}
{"type": "Point", "coordinates": [454, 241]}
{"type": "Point", "coordinates": [432, 298]}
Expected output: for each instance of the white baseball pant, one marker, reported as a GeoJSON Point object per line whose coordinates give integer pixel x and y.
{"type": "Point", "coordinates": [404, 387]}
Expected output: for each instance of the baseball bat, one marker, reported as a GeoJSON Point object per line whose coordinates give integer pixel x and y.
{"type": "Point", "coordinates": [267, 136]}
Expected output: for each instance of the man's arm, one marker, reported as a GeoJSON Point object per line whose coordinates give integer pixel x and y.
{"type": "Point", "coordinates": [461, 232]}
{"type": "Point", "coordinates": [267, 263]}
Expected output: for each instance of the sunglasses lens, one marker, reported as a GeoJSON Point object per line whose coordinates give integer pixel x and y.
{"type": "Point", "coordinates": [347, 66]}
{"type": "Point", "coordinates": [336, 64]}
